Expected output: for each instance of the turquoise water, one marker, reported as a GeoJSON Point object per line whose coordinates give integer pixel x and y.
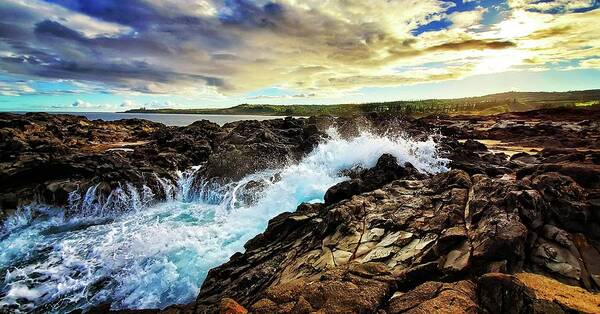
{"type": "Point", "coordinates": [151, 255]}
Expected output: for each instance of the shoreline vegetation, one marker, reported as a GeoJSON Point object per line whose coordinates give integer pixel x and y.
{"type": "Point", "coordinates": [483, 105]}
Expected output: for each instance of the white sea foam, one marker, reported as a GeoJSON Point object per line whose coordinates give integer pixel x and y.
{"type": "Point", "coordinates": [157, 254]}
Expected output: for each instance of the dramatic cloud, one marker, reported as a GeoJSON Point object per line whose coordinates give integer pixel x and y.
{"type": "Point", "coordinates": [465, 19]}
{"type": "Point", "coordinates": [82, 105]}
{"type": "Point", "coordinates": [552, 5]}
{"type": "Point", "coordinates": [213, 47]}
{"type": "Point", "coordinates": [15, 88]}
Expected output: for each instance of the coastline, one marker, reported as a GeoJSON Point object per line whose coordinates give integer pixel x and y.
{"type": "Point", "coordinates": [432, 210]}
{"type": "Point", "coordinates": [477, 106]}
{"type": "Point", "coordinates": [164, 118]}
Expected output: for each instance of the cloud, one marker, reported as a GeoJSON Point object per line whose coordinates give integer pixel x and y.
{"type": "Point", "coordinates": [552, 5]}
{"type": "Point", "coordinates": [15, 89]}
{"type": "Point", "coordinates": [472, 44]}
{"type": "Point", "coordinates": [294, 96]}
{"type": "Point", "coordinates": [83, 104]}
{"type": "Point", "coordinates": [559, 38]}
{"type": "Point", "coordinates": [593, 63]}
{"type": "Point", "coordinates": [406, 78]}
{"type": "Point", "coordinates": [465, 19]}
{"type": "Point", "coordinates": [128, 104]}
{"type": "Point", "coordinates": [22, 13]}
{"type": "Point", "coordinates": [230, 47]}
{"type": "Point", "coordinates": [55, 29]}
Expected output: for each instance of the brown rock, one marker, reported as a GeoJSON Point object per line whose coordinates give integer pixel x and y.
{"type": "Point", "coordinates": [435, 297]}
{"type": "Point", "coordinates": [553, 294]}
{"type": "Point", "coordinates": [501, 293]}
{"type": "Point", "coordinates": [229, 306]}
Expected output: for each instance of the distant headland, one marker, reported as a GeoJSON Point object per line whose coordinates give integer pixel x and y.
{"type": "Point", "coordinates": [482, 105]}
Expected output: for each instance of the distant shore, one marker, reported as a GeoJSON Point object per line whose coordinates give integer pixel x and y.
{"type": "Point", "coordinates": [224, 112]}
{"type": "Point", "coordinates": [484, 105]}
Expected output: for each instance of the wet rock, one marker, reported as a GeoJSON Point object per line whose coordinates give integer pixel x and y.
{"type": "Point", "coordinates": [385, 171]}
{"type": "Point", "coordinates": [245, 147]}
{"type": "Point", "coordinates": [556, 259]}
{"type": "Point", "coordinates": [45, 157]}
{"type": "Point", "coordinates": [565, 198]}
{"type": "Point", "coordinates": [343, 190]}
{"type": "Point", "coordinates": [474, 146]}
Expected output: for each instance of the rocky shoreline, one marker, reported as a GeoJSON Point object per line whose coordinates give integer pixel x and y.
{"type": "Point", "coordinates": [513, 227]}
{"type": "Point", "coordinates": [45, 157]}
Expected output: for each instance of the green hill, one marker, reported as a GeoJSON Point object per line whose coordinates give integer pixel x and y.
{"type": "Point", "coordinates": [489, 104]}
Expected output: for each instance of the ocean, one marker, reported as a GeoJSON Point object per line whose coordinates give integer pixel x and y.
{"type": "Point", "coordinates": [167, 118]}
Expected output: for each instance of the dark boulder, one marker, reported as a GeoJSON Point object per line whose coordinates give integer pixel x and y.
{"type": "Point", "coordinates": [385, 171]}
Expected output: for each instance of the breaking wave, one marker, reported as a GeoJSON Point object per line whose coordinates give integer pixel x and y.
{"type": "Point", "coordinates": [154, 254]}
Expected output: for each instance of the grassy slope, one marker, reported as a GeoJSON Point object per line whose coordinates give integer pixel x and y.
{"type": "Point", "coordinates": [489, 104]}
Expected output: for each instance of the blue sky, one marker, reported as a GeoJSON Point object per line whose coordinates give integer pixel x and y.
{"type": "Point", "coordinates": [110, 55]}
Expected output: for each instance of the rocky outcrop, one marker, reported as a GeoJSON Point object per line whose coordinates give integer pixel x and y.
{"type": "Point", "coordinates": [45, 157]}
{"type": "Point", "coordinates": [249, 146]}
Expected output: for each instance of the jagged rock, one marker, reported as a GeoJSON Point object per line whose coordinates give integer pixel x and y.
{"type": "Point", "coordinates": [450, 237]}
{"type": "Point", "coordinates": [529, 293]}
{"type": "Point", "coordinates": [501, 293]}
{"type": "Point", "coordinates": [401, 302]}
{"type": "Point", "coordinates": [496, 232]}
{"type": "Point", "coordinates": [475, 146]}
{"type": "Point", "coordinates": [590, 256]}
{"type": "Point", "coordinates": [349, 290]}
{"type": "Point", "coordinates": [343, 190]}
{"type": "Point", "coordinates": [229, 306]}
{"type": "Point", "coordinates": [436, 297]}
{"type": "Point", "coordinates": [447, 227]}
{"type": "Point", "coordinates": [556, 259]}
{"type": "Point", "coordinates": [566, 200]}
{"type": "Point", "coordinates": [530, 205]}
{"type": "Point", "coordinates": [457, 260]}
{"type": "Point", "coordinates": [385, 171]}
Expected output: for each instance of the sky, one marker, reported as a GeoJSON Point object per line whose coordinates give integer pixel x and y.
{"type": "Point", "coordinates": [114, 55]}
